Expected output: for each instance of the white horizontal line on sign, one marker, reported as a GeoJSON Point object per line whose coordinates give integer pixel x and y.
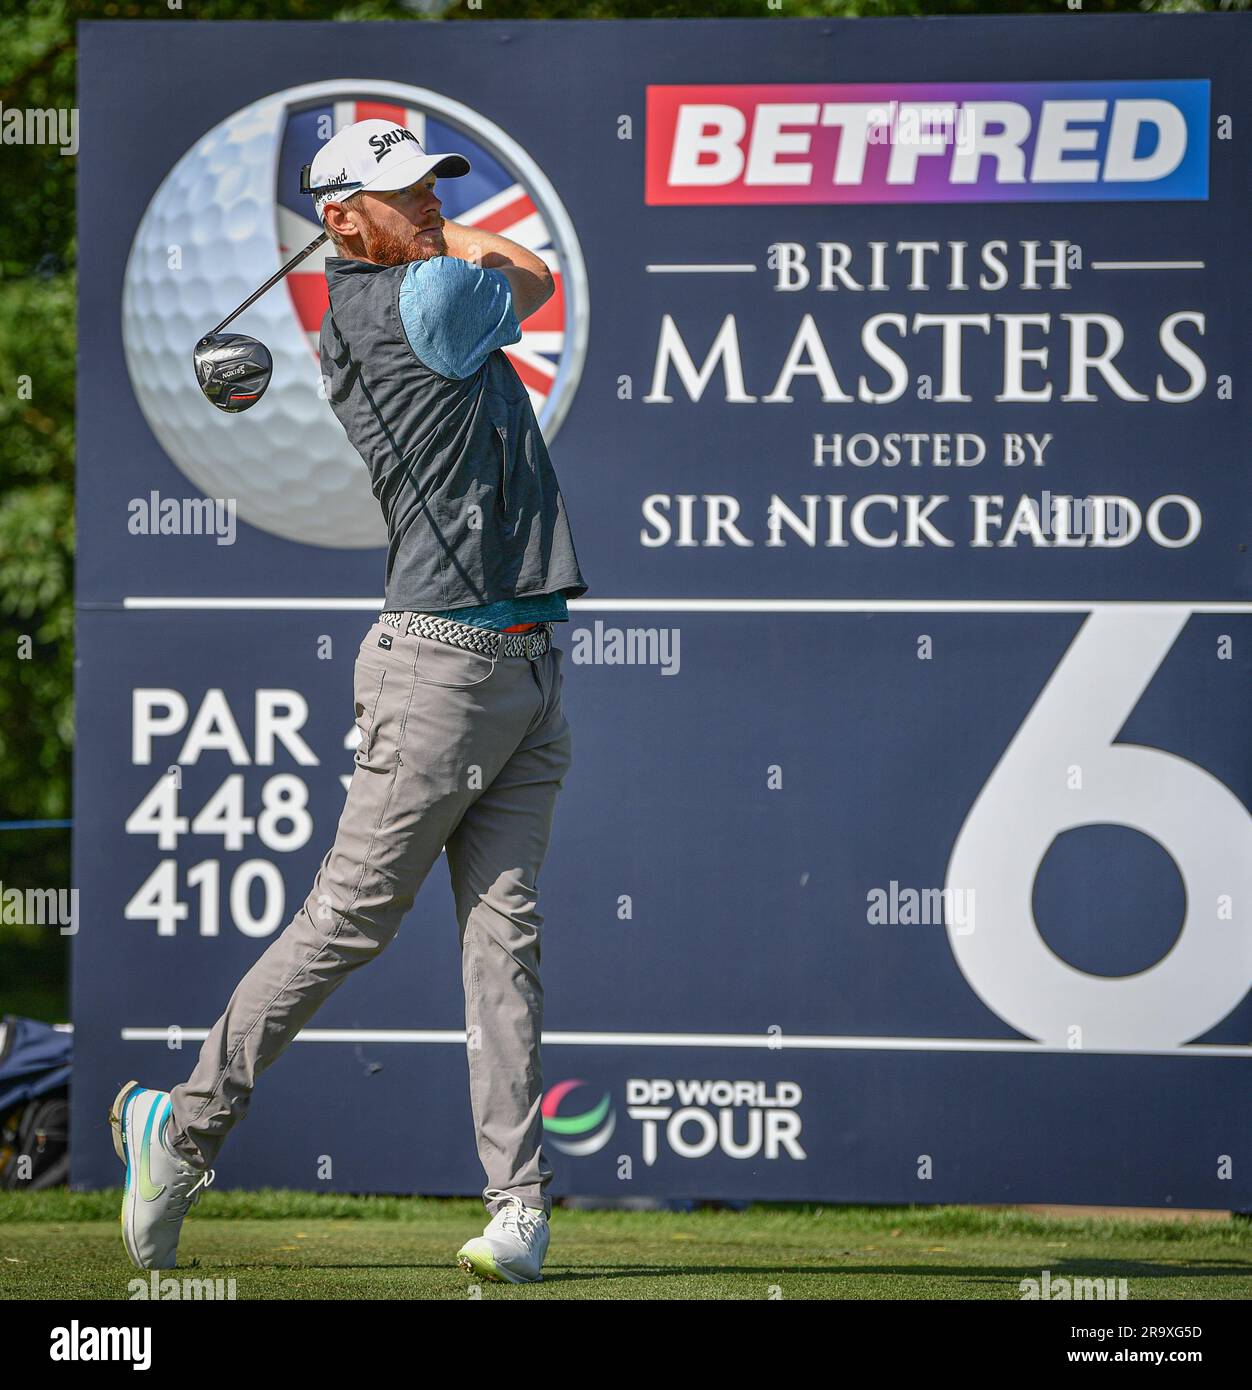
{"type": "Point", "coordinates": [894, 605]}
{"type": "Point", "coordinates": [724, 269]}
{"type": "Point", "coordinates": [777, 1043]}
{"type": "Point", "coordinates": [1147, 265]}
{"type": "Point", "coordinates": [743, 605]}
{"type": "Point", "coordinates": [368, 604]}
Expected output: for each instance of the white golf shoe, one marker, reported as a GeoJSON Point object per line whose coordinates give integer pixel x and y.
{"type": "Point", "coordinates": [512, 1248]}
{"type": "Point", "coordinates": [161, 1185]}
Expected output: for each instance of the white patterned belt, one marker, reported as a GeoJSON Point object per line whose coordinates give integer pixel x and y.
{"type": "Point", "coordinates": [483, 640]}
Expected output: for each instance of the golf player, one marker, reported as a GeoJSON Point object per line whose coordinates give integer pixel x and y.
{"type": "Point", "coordinates": [457, 690]}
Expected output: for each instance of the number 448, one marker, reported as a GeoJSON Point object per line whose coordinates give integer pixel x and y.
{"type": "Point", "coordinates": [284, 803]}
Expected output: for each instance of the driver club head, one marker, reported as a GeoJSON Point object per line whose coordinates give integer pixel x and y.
{"type": "Point", "coordinates": [232, 370]}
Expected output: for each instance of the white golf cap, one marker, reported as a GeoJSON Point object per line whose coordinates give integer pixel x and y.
{"type": "Point", "coordinates": [380, 156]}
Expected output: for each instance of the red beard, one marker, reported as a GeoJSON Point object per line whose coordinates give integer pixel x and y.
{"type": "Point", "coordinates": [385, 247]}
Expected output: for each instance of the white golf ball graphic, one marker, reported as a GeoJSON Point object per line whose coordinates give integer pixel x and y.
{"type": "Point", "coordinates": [207, 240]}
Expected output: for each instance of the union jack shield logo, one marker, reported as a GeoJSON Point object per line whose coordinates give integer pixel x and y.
{"type": "Point", "coordinates": [232, 207]}
{"type": "Point", "coordinates": [500, 194]}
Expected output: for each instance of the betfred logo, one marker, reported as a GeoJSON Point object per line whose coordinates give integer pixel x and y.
{"type": "Point", "coordinates": [963, 142]}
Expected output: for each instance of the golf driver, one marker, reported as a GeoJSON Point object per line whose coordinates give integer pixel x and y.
{"type": "Point", "coordinates": [232, 369]}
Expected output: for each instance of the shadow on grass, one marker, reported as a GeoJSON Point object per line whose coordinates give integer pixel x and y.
{"type": "Point", "coordinates": [1067, 1269]}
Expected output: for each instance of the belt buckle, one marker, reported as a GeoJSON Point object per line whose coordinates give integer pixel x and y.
{"type": "Point", "coordinates": [522, 644]}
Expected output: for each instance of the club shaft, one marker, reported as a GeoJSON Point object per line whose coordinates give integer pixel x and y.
{"type": "Point", "coordinates": [271, 282]}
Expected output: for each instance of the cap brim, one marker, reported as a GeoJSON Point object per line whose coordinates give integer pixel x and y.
{"type": "Point", "coordinates": [410, 171]}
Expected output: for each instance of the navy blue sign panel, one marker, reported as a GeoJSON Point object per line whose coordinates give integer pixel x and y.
{"type": "Point", "coordinates": [892, 381]}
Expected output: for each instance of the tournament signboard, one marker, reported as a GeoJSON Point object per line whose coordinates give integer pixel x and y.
{"type": "Point", "coordinates": [894, 388]}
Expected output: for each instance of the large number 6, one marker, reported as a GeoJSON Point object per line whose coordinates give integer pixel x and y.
{"type": "Point", "coordinates": [1027, 803]}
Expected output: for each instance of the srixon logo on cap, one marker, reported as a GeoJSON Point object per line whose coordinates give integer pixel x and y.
{"type": "Point", "coordinates": [966, 142]}
{"type": "Point", "coordinates": [382, 144]}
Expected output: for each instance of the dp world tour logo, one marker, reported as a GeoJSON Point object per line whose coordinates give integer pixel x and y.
{"type": "Point", "coordinates": [578, 1132]}
{"type": "Point", "coordinates": [225, 218]}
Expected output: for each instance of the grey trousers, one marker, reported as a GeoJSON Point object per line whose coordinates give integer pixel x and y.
{"type": "Point", "coordinates": [456, 750]}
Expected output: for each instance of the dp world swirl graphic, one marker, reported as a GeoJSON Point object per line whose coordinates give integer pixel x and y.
{"type": "Point", "coordinates": [226, 217]}
{"type": "Point", "coordinates": [578, 1132]}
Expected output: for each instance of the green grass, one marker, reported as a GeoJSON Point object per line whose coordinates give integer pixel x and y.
{"type": "Point", "coordinates": [299, 1245]}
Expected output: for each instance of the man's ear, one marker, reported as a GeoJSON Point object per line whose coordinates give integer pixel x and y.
{"type": "Point", "coordinates": [340, 220]}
